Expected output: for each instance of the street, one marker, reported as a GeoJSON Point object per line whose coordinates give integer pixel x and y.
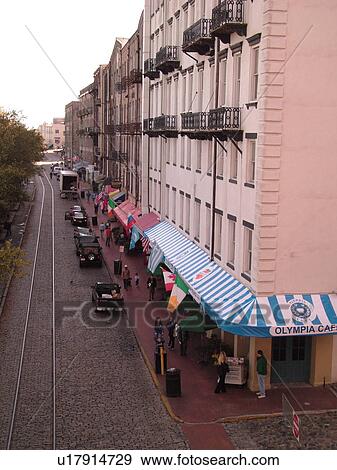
{"type": "Point", "coordinates": [104, 395]}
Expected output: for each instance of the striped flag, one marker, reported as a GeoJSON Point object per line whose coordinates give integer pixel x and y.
{"type": "Point", "coordinates": [99, 197]}
{"type": "Point", "coordinates": [146, 245]}
{"type": "Point", "coordinates": [111, 206]}
{"type": "Point", "coordinates": [169, 279]}
{"type": "Point", "coordinates": [179, 292]}
{"type": "Point", "coordinates": [156, 257]}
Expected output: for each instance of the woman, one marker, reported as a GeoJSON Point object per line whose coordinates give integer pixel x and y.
{"type": "Point", "coordinates": [222, 369]}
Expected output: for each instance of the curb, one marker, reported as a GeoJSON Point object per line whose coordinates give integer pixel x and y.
{"type": "Point", "coordinates": [8, 283]}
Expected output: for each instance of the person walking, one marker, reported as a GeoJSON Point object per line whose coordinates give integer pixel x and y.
{"type": "Point", "coordinates": [158, 331]}
{"type": "Point", "coordinates": [51, 174]}
{"type": "Point", "coordinates": [137, 279]}
{"type": "Point", "coordinates": [184, 340]}
{"type": "Point", "coordinates": [88, 196]}
{"type": "Point", "coordinates": [108, 234]}
{"type": "Point", "coordinates": [96, 208]}
{"type": "Point", "coordinates": [171, 332]}
{"type": "Point", "coordinates": [151, 284]}
{"type": "Point", "coordinates": [126, 277]}
{"type": "Point", "coordinates": [222, 369]}
{"type": "Point", "coordinates": [101, 228]}
{"type": "Point", "coordinates": [261, 369]}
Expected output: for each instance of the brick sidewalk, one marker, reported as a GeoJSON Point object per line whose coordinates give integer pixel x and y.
{"type": "Point", "coordinates": [198, 407]}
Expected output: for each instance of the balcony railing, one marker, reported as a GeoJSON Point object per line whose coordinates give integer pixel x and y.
{"type": "Point", "coordinates": [195, 125]}
{"type": "Point", "coordinates": [198, 38]}
{"type": "Point", "coordinates": [118, 87]}
{"type": "Point", "coordinates": [93, 130]}
{"type": "Point", "coordinates": [167, 59]}
{"type": "Point", "coordinates": [135, 76]}
{"type": "Point", "coordinates": [84, 112]}
{"type": "Point", "coordinates": [165, 123]}
{"type": "Point", "coordinates": [97, 151]}
{"type": "Point", "coordinates": [150, 70]}
{"type": "Point", "coordinates": [147, 125]}
{"type": "Point", "coordinates": [125, 83]}
{"type": "Point", "coordinates": [227, 18]}
{"type": "Point", "coordinates": [109, 129]}
{"type": "Point", "coordinates": [226, 121]}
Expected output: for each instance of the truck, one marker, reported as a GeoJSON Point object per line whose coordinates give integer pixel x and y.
{"type": "Point", "coordinates": [107, 297]}
{"type": "Point", "coordinates": [68, 184]}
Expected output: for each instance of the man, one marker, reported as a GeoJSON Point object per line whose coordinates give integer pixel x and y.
{"type": "Point", "coordinates": [126, 277]}
{"type": "Point", "coordinates": [152, 284]}
{"type": "Point", "coordinates": [261, 369]}
{"type": "Point", "coordinates": [171, 329]}
{"type": "Point", "coordinates": [108, 234]}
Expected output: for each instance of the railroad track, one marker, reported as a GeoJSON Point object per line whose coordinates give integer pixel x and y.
{"type": "Point", "coordinates": [33, 414]}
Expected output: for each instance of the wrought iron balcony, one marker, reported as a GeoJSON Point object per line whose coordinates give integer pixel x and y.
{"type": "Point", "coordinates": [147, 125]}
{"type": "Point", "coordinates": [97, 151]}
{"type": "Point", "coordinates": [84, 111]}
{"type": "Point", "coordinates": [167, 59]}
{"type": "Point", "coordinates": [195, 125]}
{"type": "Point", "coordinates": [131, 128]}
{"type": "Point", "coordinates": [118, 87]}
{"type": "Point", "coordinates": [165, 125]}
{"type": "Point", "coordinates": [227, 18]}
{"type": "Point", "coordinates": [225, 122]}
{"type": "Point", "coordinates": [93, 130]}
{"type": "Point", "coordinates": [109, 129]}
{"type": "Point", "coordinates": [135, 76]}
{"type": "Point", "coordinates": [125, 83]}
{"type": "Point", "coordinates": [150, 70]}
{"type": "Point", "coordinates": [198, 38]}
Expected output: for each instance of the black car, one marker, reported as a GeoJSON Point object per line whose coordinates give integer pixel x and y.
{"type": "Point", "coordinates": [90, 255]}
{"type": "Point", "coordinates": [85, 240]}
{"type": "Point", "coordinates": [79, 219]}
{"type": "Point", "coordinates": [82, 232]}
{"type": "Point", "coordinates": [107, 297]}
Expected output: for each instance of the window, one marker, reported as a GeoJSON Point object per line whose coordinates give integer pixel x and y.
{"type": "Point", "coordinates": [174, 151]}
{"type": "Point", "coordinates": [154, 194]}
{"type": "Point", "coordinates": [218, 234]}
{"type": "Point", "coordinates": [233, 170]}
{"type": "Point", "coordinates": [231, 241]}
{"type": "Point", "coordinates": [181, 211]}
{"type": "Point", "coordinates": [174, 204]}
{"type": "Point", "coordinates": [220, 160]}
{"type": "Point", "coordinates": [200, 89]}
{"type": "Point", "coordinates": [208, 226]}
{"type": "Point", "coordinates": [237, 79]}
{"type": "Point", "coordinates": [57, 131]}
{"type": "Point", "coordinates": [159, 196]}
{"type": "Point", "coordinates": [187, 213]}
{"type": "Point", "coordinates": [254, 73]}
{"type": "Point", "coordinates": [188, 153]}
{"type": "Point", "coordinates": [209, 157]}
{"type": "Point", "coordinates": [182, 151]}
{"type": "Point", "coordinates": [150, 192]}
{"type": "Point", "coordinates": [222, 82]}
{"type": "Point", "coordinates": [247, 255]}
{"type": "Point", "coordinates": [168, 150]}
{"type": "Point", "coordinates": [250, 175]}
{"type": "Point", "coordinates": [198, 156]}
{"type": "Point", "coordinates": [197, 220]}
{"type": "Point", "coordinates": [167, 200]}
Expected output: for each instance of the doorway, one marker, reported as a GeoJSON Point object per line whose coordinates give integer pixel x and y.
{"type": "Point", "coordinates": [291, 359]}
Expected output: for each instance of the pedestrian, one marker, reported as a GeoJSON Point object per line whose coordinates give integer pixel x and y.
{"type": "Point", "coordinates": [108, 234]}
{"type": "Point", "coordinates": [96, 208]}
{"type": "Point", "coordinates": [107, 224]}
{"type": "Point", "coordinates": [151, 285]}
{"type": "Point", "coordinates": [171, 325]}
{"type": "Point", "coordinates": [261, 368]}
{"type": "Point", "coordinates": [93, 197]}
{"type": "Point", "coordinates": [51, 174]}
{"type": "Point", "coordinates": [126, 277]}
{"type": "Point", "coordinates": [158, 331]}
{"type": "Point", "coordinates": [137, 279]}
{"type": "Point", "coordinates": [222, 369]}
{"type": "Point", "coordinates": [101, 228]}
{"type": "Point", "coordinates": [184, 336]}
{"type": "Point", "coordinates": [88, 196]}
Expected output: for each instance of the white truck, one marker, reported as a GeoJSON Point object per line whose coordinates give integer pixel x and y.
{"type": "Point", "coordinates": [68, 184]}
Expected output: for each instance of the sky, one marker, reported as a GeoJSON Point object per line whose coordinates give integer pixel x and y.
{"type": "Point", "coordinates": [77, 35]}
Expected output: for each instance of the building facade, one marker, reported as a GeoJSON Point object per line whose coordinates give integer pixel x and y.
{"type": "Point", "coordinates": [71, 122]}
{"type": "Point", "coordinates": [227, 160]}
{"type": "Point", "coordinates": [53, 134]}
{"type": "Point", "coordinates": [88, 131]}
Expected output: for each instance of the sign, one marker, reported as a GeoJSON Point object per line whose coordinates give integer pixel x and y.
{"type": "Point", "coordinates": [296, 426]}
{"type": "Point", "coordinates": [121, 248]}
{"type": "Point", "coordinates": [203, 273]}
{"type": "Point", "coordinates": [310, 329]}
{"type": "Point", "coordinates": [301, 310]}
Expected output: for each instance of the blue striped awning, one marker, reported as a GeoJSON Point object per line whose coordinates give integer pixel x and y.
{"type": "Point", "coordinates": [231, 304]}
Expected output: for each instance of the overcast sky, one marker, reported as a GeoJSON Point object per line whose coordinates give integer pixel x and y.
{"type": "Point", "coordinates": [77, 35]}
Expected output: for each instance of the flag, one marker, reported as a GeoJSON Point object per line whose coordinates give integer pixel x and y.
{"type": "Point", "coordinates": [179, 292]}
{"type": "Point", "coordinates": [131, 221]}
{"type": "Point", "coordinates": [146, 245]}
{"type": "Point", "coordinates": [155, 259]}
{"type": "Point", "coordinates": [99, 197]}
{"type": "Point", "coordinates": [111, 206]}
{"type": "Point", "coordinates": [169, 280]}
{"type": "Point", "coordinates": [135, 236]}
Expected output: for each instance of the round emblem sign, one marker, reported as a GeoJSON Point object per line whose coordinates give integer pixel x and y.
{"type": "Point", "coordinates": [301, 309]}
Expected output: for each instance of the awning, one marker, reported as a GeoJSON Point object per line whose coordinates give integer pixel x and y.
{"type": "Point", "coordinates": [197, 324]}
{"type": "Point", "coordinates": [82, 164]}
{"type": "Point", "coordinates": [119, 197]}
{"type": "Point", "coordinates": [231, 304]}
{"type": "Point", "coordinates": [123, 211]}
{"type": "Point", "coordinates": [147, 221]}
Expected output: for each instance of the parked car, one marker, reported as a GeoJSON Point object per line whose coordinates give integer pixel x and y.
{"type": "Point", "coordinates": [79, 219]}
{"type": "Point", "coordinates": [90, 255]}
{"type": "Point", "coordinates": [68, 214]}
{"type": "Point", "coordinates": [107, 297]}
{"type": "Point", "coordinates": [85, 240]}
{"type": "Point", "coordinates": [82, 232]}
{"type": "Point", "coordinates": [57, 169]}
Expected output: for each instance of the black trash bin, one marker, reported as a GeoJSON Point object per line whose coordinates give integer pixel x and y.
{"type": "Point", "coordinates": [82, 194]}
{"type": "Point", "coordinates": [94, 220]}
{"type": "Point", "coordinates": [173, 384]}
{"type": "Point", "coordinates": [117, 267]}
{"type": "Point", "coordinates": [158, 361]}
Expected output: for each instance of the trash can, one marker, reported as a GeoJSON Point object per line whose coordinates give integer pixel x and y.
{"type": "Point", "coordinates": [158, 361]}
{"type": "Point", "coordinates": [94, 220]}
{"type": "Point", "coordinates": [82, 194]}
{"type": "Point", "coordinates": [173, 384]}
{"type": "Point", "coordinates": [117, 267]}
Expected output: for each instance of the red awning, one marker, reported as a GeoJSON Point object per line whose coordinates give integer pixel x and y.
{"type": "Point", "coordinates": [147, 221]}
{"type": "Point", "coordinates": [124, 210]}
